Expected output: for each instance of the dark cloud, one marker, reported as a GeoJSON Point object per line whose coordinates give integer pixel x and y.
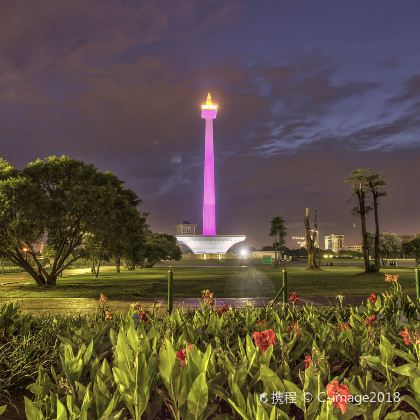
{"type": "Point", "coordinates": [120, 83]}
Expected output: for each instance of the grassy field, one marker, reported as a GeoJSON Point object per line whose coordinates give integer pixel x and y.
{"type": "Point", "coordinates": [228, 281]}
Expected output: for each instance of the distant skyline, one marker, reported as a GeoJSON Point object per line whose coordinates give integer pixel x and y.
{"type": "Point", "coordinates": [306, 93]}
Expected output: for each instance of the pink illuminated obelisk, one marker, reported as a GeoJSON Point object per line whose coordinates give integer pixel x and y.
{"type": "Point", "coordinates": [209, 113]}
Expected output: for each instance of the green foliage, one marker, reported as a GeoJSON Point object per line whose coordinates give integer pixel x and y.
{"type": "Point", "coordinates": [204, 364]}
{"type": "Point", "coordinates": [66, 201]}
{"type": "Point", "coordinates": [159, 247]}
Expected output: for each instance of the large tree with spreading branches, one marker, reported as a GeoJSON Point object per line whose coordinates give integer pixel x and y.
{"type": "Point", "coordinates": [64, 200]}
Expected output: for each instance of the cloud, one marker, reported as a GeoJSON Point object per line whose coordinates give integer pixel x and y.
{"type": "Point", "coordinates": [410, 90]}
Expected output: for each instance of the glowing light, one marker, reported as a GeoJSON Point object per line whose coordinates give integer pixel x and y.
{"type": "Point", "coordinates": [209, 104]}
{"type": "Point", "coordinates": [25, 249]}
{"type": "Point", "coordinates": [244, 252]}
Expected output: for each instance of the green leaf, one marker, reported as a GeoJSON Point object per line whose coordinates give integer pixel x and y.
{"type": "Point", "coordinates": [400, 415]}
{"type": "Point", "coordinates": [198, 396]}
{"type": "Point", "coordinates": [291, 387]}
{"type": "Point", "coordinates": [32, 412]}
{"type": "Point", "coordinates": [2, 409]}
{"type": "Point", "coordinates": [409, 369]}
{"type": "Point", "coordinates": [61, 411]}
{"type": "Point", "coordinates": [270, 380]}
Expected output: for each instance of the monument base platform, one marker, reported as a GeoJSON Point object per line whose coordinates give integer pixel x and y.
{"type": "Point", "coordinates": [218, 244]}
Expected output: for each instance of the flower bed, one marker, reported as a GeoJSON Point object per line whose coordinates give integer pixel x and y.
{"type": "Point", "coordinates": [282, 361]}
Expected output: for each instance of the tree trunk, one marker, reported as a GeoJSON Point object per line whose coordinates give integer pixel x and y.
{"type": "Point", "coordinates": [52, 280]}
{"type": "Point", "coordinates": [377, 233]}
{"type": "Point", "coordinates": [310, 240]}
{"type": "Point", "coordinates": [118, 264]}
{"type": "Point", "coordinates": [362, 212]}
{"type": "Point", "coordinates": [98, 266]}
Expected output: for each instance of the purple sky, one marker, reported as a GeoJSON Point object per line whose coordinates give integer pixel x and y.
{"type": "Point", "coordinates": [307, 91]}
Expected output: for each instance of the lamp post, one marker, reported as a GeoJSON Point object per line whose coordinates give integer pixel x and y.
{"type": "Point", "coordinates": [244, 253]}
{"type": "Point", "coordinates": [25, 250]}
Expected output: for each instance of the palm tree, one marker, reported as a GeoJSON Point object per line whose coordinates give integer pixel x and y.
{"type": "Point", "coordinates": [374, 184]}
{"type": "Point", "coordinates": [358, 182]}
{"type": "Point", "coordinates": [278, 232]}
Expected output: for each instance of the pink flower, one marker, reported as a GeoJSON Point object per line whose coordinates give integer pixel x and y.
{"type": "Point", "coordinates": [339, 395]}
{"type": "Point", "coordinates": [264, 339]}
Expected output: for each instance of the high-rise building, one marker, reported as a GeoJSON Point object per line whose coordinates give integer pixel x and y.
{"type": "Point", "coordinates": [334, 242]}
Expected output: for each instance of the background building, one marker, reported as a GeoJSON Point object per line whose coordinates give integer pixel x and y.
{"type": "Point", "coordinates": [334, 242]}
{"type": "Point", "coordinates": [301, 240]}
{"type": "Point", "coordinates": [355, 248]}
{"type": "Point", "coordinates": [186, 228]}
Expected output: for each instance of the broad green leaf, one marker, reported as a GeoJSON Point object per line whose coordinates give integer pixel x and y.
{"type": "Point", "coordinates": [409, 369]}
{"type": "Point", "coordinates": [198, 396]}
{"type": "Point", "coordinates": [32, 412]}
{"type": "Point", "coordinates": [61, 411]}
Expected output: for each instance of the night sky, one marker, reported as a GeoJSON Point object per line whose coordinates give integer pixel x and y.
{"type": "Point", "coordinates": [307, 91]}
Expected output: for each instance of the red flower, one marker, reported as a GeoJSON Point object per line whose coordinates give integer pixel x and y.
{"type": "Point", "coordinates": [143, 316]}
{"type": "Point", "coordinates": [369, 321]}
{"type": "Point", "coordinates": [294, 298]}
{"type": "Point", "coordinates": [308, 360]}
{"type": "Point", "coordinates": [102, 299]}
{"type": "Point", "coordinates": [373, 298]}
{"type": "Point", "coordinates": [208, 297]}
{"type": "Point", "coordinates": [406, 336]}
{"type": "Point", "coordinates": [264, 339]}
{"type": "Point", "coordinates": [339, 394]}
{"type": "Point", "coordinates": [389, 278]}
{"type": "Point", "coordinates": [343, 326]}
{"type": "Point", "coordinates": [109, 315]}
{"type": "Point", "coordinates": [181, 354]}
{"type": "Point", "coordinates": [136, 306]}
{"type": "Point", "coordinates": [222, 309]}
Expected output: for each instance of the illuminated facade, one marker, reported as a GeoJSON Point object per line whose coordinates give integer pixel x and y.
{"type": "Point", "coordinates": [209, 113]}
{"type": "Point", "coordinates": [209, 242]}
{"type": "Point", "coordinates": [334, 242]}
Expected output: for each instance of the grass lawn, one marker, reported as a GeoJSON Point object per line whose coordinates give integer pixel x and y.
{"type": "Point", "coordinates": [228, 281]}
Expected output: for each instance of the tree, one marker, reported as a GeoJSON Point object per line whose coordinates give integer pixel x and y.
{"type": "Point", "coordinates": [390, 247]}
{"type": "Point", "coordinates": [412, 249]}
{"type": "Point", "coordinates": [278, 232]}
{"type": "Point", "coordinates": [311, 240]}
{"type": "Point", "coordinates": [374, 184]}
{"type": "Point", "coordinates": [267, 248]}
{"type": "Point", "coordinates": [122, 234]}
{"type": "Point", "coordinates": [158, 247]}
{"type": "Point", "coordinates": [358, 182]}
{"type": "Point", "coordinates": [65, 200]}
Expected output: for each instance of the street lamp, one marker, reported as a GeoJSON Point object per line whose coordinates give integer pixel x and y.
{"type": "Point", "coordinates": [244, 253]}
{"type": "Point", "coordinates": [25, 250]}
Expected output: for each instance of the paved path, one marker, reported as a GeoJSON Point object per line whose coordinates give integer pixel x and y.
{"type": "Point", "coordinates": [85, 305]}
